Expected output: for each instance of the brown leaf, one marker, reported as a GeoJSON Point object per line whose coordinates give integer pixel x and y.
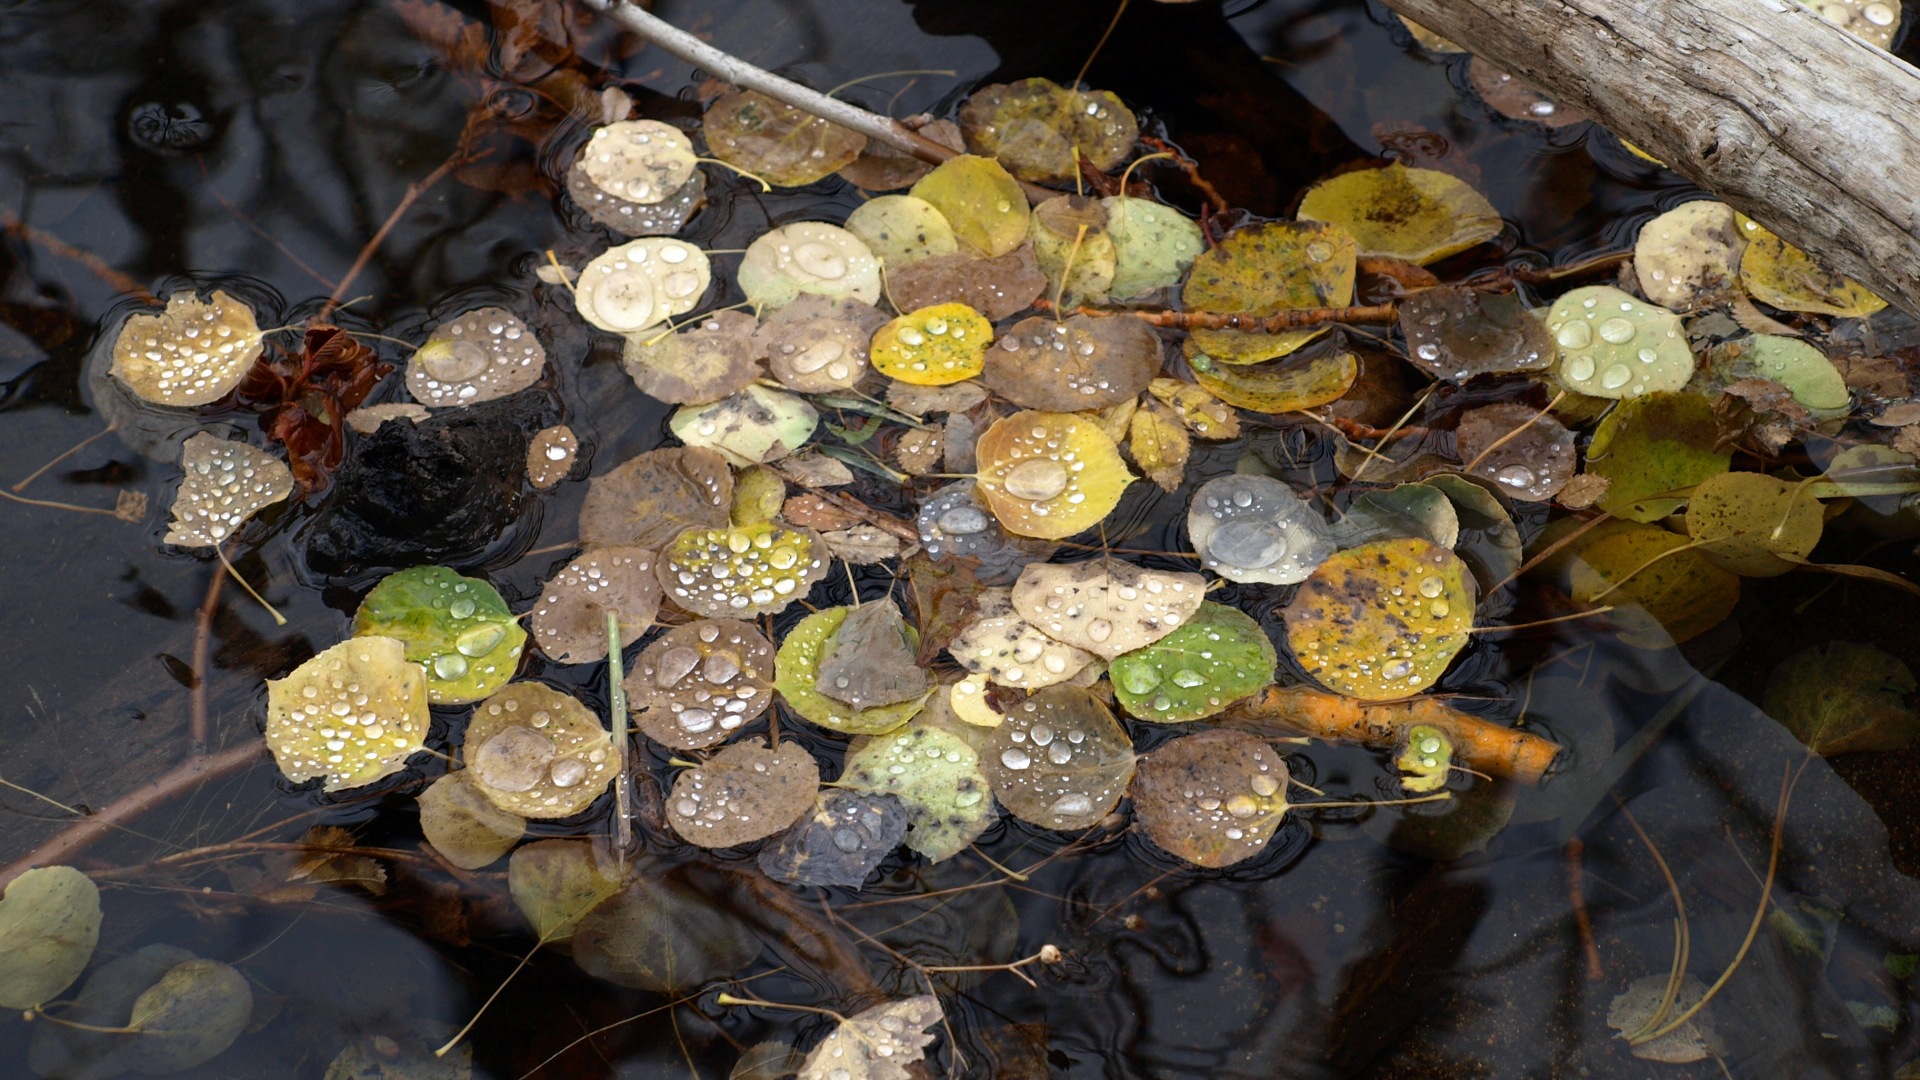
{"type": "Point", "coordinates": [813, 512]}
{"type": "Point", "coordinates": [460, 41]}
{"type": "Point", "coordinates": [945, 595]}
{"type": "Point", "coordinates": [1160, 445]}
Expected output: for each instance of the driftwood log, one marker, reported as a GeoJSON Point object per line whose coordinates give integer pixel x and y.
{"type": "Point", "coordinates": [1794, 122]}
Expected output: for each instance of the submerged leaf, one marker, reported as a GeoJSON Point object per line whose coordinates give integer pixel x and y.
{"type": "Point", "coordinates": [105, 1001]}
{"type": "Point", "coordinates": [1843, 698]}
{"type": "Point", "coordinates": [955, 523]}
{"type": "Point", "coordinates": [223, 485]}
{"type": "Point", "coordinates": [457, 628]}
{"type": "Point", "coordinates": [1205, 415]}
{"type": "Point", "coordinates": [774, 140]}
{"type": "Point", "coordinates": [808, 257]}
{"type": "Point", "coordinates": [1049, 474]}
{"type": "Point", "coordinates": [629, 218]}
{"type": "Point", "coordinates": [933, 346]}
{"type": "Point", "coordinates": [869, 661]}
{"type": "Point", "coordinates": [482, 355]}
{"type": "Point", "coordinates": [1695, 1040]}
{"type": "Point", "coordinates": [1082, 362]}
{"type": "Point", "coordinates": [1265, 269]}
{"type": "Point", "coordinates": [193, 353]}
{"type": "Point", "coordinates": [1106, 606]}
{"type": "Point", "coordinates": [1753, 524]}
{"type": "Point", "coordinates": [537, 752]}
{"type": "Point", "coordinates": [351, 714]}
{"type": "Point", "coordinates": [555, 883]}
{"type": "Point", "coordinates": [980, 200]}
{"type": "Point", "coordinates": [1217, 658]}
{"type": "Point", "coordinates": [1213, 798]}
{"type": "Point", "coordinates": [49, 925]}
{"type": "Point", "coordinates": [662, 934]}
{"type": "Point", "coordinates": [881, 1043]}
{"type": "Point", "coordinates": [1419, 215]}
{"type": "Point", "coordinates": [1059, 759]}
{"type": "Point", "coordinates": [1535, 455]}
{"type": "Point", "coordinates": [1780, 275]}
{"type": "Point", "coordinates": [797, 675]}
{"type": "Point", "coordinates": [1455, 333]}
{"type": "Point", "coordinates": [741, 571]}
{"type": "Point", "coordinates": [1382, 620]}
{"type": "Point", "coordinates": [188, 1017]}
{"type": "Point", "coordinates": [694, 366]}
{"type": "Point", "coordinates": [1614, 346]}
{"type": "Point", "coordinates": [744, 793]}
{"type": "Point", "coordinates": [751, 427]}
{"type": "Point", "coordinates": [1035, 127]}
{"type": "Point", "coordinates": [642, 283]}
{"type": "Point", "coordinates": [1255, 529]}
{"type": "Point", "coordinates": [570, 618]}
{"type": "Point", "coordinates": [463, 826]}
{"type": "Point", "coordinates": [697, 684]}
{"type": "Point", "coordinates": [1661, 595]}
{"type": "Point", "coordinates": [935, 775]}
{"type": "Point", "coordinates": [1652, 451]}
{"type": "Point", "coordinates": [653, 497]}
{"type": "Point", "coordinates": [847, 836]}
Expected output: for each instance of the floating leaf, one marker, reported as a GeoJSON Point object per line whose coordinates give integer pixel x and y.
{"type": "Point", "coordinates": [466, 829]}
{"type": "Point", "coordinates": [998, 288]}
{"type": "Point", "coordinates": [1205, 415]}
{"type": "Point", "coordinates": [1290, 385]}
{"type": "Point", "coordinates": [797, 673]}
{"type": "Point", "coordinates": [901, 230]}
{"type": "Point", "coordinates": [1532, 465]}
{"type": "Point", "coordinates": [1106, 606]}
{"type": "Point", "coordinates": [1059, 760]}
{"type": "Point", "coordinates": [1403, 510]}
{"type": "Point", "coordinates": [482, 355]}
{"type": "Point", "coordinates": [663, 218]}
{"type": "Point", "coordinates": [105, 1001]}
{"type": "Point", "coordinates": [753, 426]}
{"type": "Point", "coordinates": [981, 202]}
{"type": "Point", "coordinates": [1382, 620]}
{"type": "Point", "coordinates": [570, 618]}
{"type": "Point", "coordinates": [934, 774]}
{"type": "Point", "coordinates": [1518, 99]}
{"type": "Point", "coordinates": [774, 140]}
{"type": "Point", "coordinates": [1842, 698]}
{"type": "Point", "coordinates": [1688, 257]}
{"type": "Point", "coordinates": [1802, 369]}
{"type": "Point", "coordinates": [49, 924]}
{"type": "Point", "coordinates": [699, 683]}
{"type": "Point", "coordinates": [1263, 270]}
{"type": "Point", "coordinates": [1071, 244]}
{"type": "Point", "coordinates": [551, 454]}
{"type": "Point", "coordinates": [744, 793]}
{"type": "Point", "coordinates": [1426, 755]}
{"type": "Point", "coordinates": [1654, 445]}
{"type": "Point", "coordinates": [697, 365]}
{"type": "Point", "coordinates": [1159, 444]}
{"type": "Point", "coordinates": [642, 283]}
{"type": "Point", "coordinates": [1695, 1040]}
{"type": "Point", "coordinates": [954, 523]}
{"type": "Point", "coordinates": [807, 257]}
{"type": "Point", "coordinates": [188, 1017]}
{"type": "Point", "coordinates": [1219, 657]}
{"type": "Point", "coordinates": [1664, 595]}
{"type": "Point", "coordinates": [661, 933]}
{"type": "Point", "coordinates": [1049, 474]}
{"type": "Point", "coordinates": [652, 497]}
{"type": "Point", "coordinates": [222, 485]}
{"type": "Point", "coordinates": [933, 346]}
{"type": "Point", "coordinates": [1419, 215]}
{"type": "Point", "coordinates": [367, 418]}
{"type": "Point", "coordinates": [1428, 40]}
{"type": "Point", "coordinates": [758, 495]}
{"type": "Point", "coordinates": [555, 883]}
{"type": "Point", "coordinates": [882, 1043]}
{"type": "Point", "coordinates": [1082, 362]}
{"type": "Point", "coordinates": [1614, 346]}
{"type": "Point", "coordinates": [1255, 529]}
{"type": "Point", "coordinates": [1780, 275]}
{"type": "Point", "coordinates": [1153, 245]}
{"type": "Point", "coordinates": [1753, 524]}
{"type": "Point", "coordinates": [818, 346]}
{"type": "Point", "coordinates": [457, 628]}
{"type": "Point", "coordinates": [741, 571]}
{"type": "Point", "coordinates": [351, 714]}
{"type": "Point", "coordinates": [193, 353]}
{"type": "Point", "coordinates": [1455, 333]}
{"type": "Point", "coordinates": [537, 752]}
{"type": "Point", "coordinates": [1034, 127]}
{"type": "Point", "coordinates": [884, 168]}
{"type": "Point", "coordinates": [1212, 798]}
{"type": "Point", "coordinates": [1012, 651]}
{"type": "Point", "coordinates": [869, 661]}
{"type": "Point", "coordinates": [641, 161]}
{"type": "Point", "coordinates": [843, 841]}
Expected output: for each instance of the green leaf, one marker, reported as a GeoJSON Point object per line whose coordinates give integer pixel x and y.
{"type": "Point", "coordinates": [105, 1001]}
{"type": "Point", "coordinates": [49, 924]}
{"type": "Point", "coordinates": [1656, 445]}
{"type": "Point", "coordinates": [936, 776]}
{"type": "Point", "coordinates": [1219, 657]}
{"type": "Point", "coordinates": [555, 883]}
{"type": "Point", "coordinates": [457, 628]}
{"type": "Point", "coordinates": [193, 1013]}
{"type": "Point", "coordinates": [1844, 698]}
{"type": "Point", "coordinates": [796, 671]}
{"type": "Point", "coordinates": [1153, 245]}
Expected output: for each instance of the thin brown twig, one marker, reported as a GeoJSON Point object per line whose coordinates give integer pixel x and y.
{"type": "Point", "coordinates": [67, 453]}
{"type": "Point", "coordinates": [1296, 319]}
{"type": "Point", "coordinates": [202, 651]}
{"type": "Point", "coordinates": [1577, 896]}
{"type": "Point", "coordinates": [461, 156]}
{"type": "Point", "coordinates": [94, 263]}
{"type": "Point", "coordinates": [1192, 170]}
{"type": "Point", "coordinates": [239, 216]}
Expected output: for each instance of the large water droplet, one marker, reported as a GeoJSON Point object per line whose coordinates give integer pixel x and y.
{"type": "Point", "coordinates": [1015, 758]}
{"type": "Point", "coordinates": [1038, 480]}
{"type": "Point", "coordinates": [449, 666]}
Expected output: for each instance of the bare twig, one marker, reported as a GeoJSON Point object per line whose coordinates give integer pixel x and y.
{"type": "Point", "coordinates": [416, 189]}
{"type": "Point", "coordinates": [1299, 318]}
{"type": "Point", "coordinates": [119, 281]}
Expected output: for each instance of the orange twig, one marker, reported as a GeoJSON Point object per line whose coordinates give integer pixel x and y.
{"type": "Point", "coordinates": [1577, 896]}
{"type": "Point", "coordinates": [88, 259]}
{"type": "Point", "coordinates": [1192, 169]}
{"type": "Point", "coordinates": [1366, 314]}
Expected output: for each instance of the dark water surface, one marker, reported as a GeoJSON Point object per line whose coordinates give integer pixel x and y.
{"type": "Point", "coordinates": [256, 146]}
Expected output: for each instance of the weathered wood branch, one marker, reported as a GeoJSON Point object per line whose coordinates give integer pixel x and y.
{"type": "Point", "coordinates": [1795, 122]}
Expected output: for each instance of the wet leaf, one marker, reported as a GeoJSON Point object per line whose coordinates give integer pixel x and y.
{"type": "Point", "coordinates": [1106, 606]}
{"type": "Point", "coordinates": [49, 924]}
{"type": "Point", "coordinates": [1532, 465]}
{"type": "Point", "coordinates": [1667, 595]}
{"type": "Point", "coordinates": [1695, 1040]}
{"type": "Point", "coordinates": [555, 883]}
{"type": "Point", "coordinates": [1219, 657]}
{"type": "Point", "coordinates": [741, 571]}
{"type": "Point", "coordinates": [1425, 757]}
{"type": "Point", "coordinates": [663, 218]}
{"type": "Point", "coordinates": [383, 1057]}
{"type": "Point", "coordinates": [1794, 364]}
{"type": "Point", "coordinates": [697, 684]}
{"type": "Point", "coordinates": [797, 673]}
{"type": "Point", "coordinates": [1876, 22]}
{"type": "Point", "coordinates": [1034, 127]}
{"type": "Point", "coordinates": [1265, 269]}
{"type": "Point", "coordinates": [1689, 256]}
{"type": "Point", "coordinates": [935, 775]}
{"type": "Point", "coordinates": [660, 933]}
{"type": "Point", "coordinates": [981, 202]}
{"type": "Point", "coordinates": [1419, 215]}
{"type": "Point", "coordinates": [1518, 99]}
{"type": "Point", "coordinates": [192, 353]}
{"type": "Point", "coordinates": [457, 628]}
{"type": "Point", "coordinates": [463, 826]}
{"type": "Point", "coordinates": [570, 618]}
{"type": "Point", "coordinates": [840, 844]}
{"type": "Point", "coordinates": [1159, 444]}
{"type": "Point", "coordinates": [1382, 620]}
{"type": "Point", "coordinates": [883, 168]}
{"type": "Point", "coordinates": [482, 355]}
{"type": "Point", "coordinates": [105, 1001]}
{"type": "Point", "coordinates": [815, 345]}
{"type": "Point", "coordinates": [1428, 40]}
{"type": "Point", "coordinates": [1842, 698]}
{"type": "Point", "coordinates": [551, 454]}
{"type": "Point", "coordinates": [1753, 524]}
{"type": "Point", "coordinates": [881, 1043]}
{"type": "Point", "coordinates": [641, 161]}
{"type": "Point", "coordinates": [652, 497]}
{"type": "Point", "coordinates": [955, 523]}
{"type": "Point", "coordinates": [1415, 510]}
{"type": "Point", "coordinates": [537, 752]}
{"type": "Point", "coordinates": [1071, 245]}
{"type": "Point", "coordinates": [1455, 333]}
{"type": "Point", "coordinates": [808, 257]}
{"type": "Point", "coordinates": [774, 140]}
{"type": "Point", "coordinates": [193, 1013]}
{"type": "Point", "coordinates": [223, 484]}
{"type": "Point", "coordinates": [1654, 445]}
{"type": "Point", "coordinates": [901, 230]}
{"type": "Point", "coordinates": [1059, 760]}
{"type": "Point", "coordinates": [1281, 386]}
{"type": "Point", "coordinates": [318, 726]}
{"type": "Point", "coordinates": [751, 427]}
{"type": "Point", "coordinates": [1205, 415]}
{"type": "Point", "coordinates": [1153, 245]}
{"type": "Point", "coordinates": [869, 661]}
{"type": "Point", "coordinates": [697, 365]}
{"type": "Point", "coordinates": [744, 793]}
{"type": "Point", "coordinates": [1212, 798]}
{"type": "Point", "coordinates": [1011, 651]}
{"type": "Point", "coordinates": [933, 346]}
{"type": "Point", "coordinates": [1780, 275]}
{"type": "Point", "coordinates": [1489, 540]}
{"type": "Point", "coordinates": [1614, 346]}
{"type": "Point", "coordinates": [1255, 529]}
{"type": "Point", "coordinates": [998, 288]}
{"type": "Point", "coordinates": [758, 495]}
{"type": "Point", "coordinates": [1048, 474]}
{"type": "Point", "coordinates": [767, 1061]}
{"type": "Point", "coordinates": [641, 284]}
{"type": "Point", "coordinates": [1082, 362]}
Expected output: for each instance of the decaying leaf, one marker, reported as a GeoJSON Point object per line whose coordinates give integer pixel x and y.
{"type": "Point", "coordinates": [458, 629]}
{"type": "Point", "coordinates": [1660, 594]}
{"type": "Point", "coordinates": [808, 257]}
{"type": "Point", "coordinates": [1256, 529]}
{"type": "Point", "coordinates": [741, 571]}
{"type": "Point", "coordinates": [1289, 385]}
{"type": "Point", "coordinates": [485, 354]}
{"type": "Point", "coordinates": [1212, 798]}
{"type": "Point", "coordinates": [641, 161]}
{"type": "Point", "coordinates": [1011, 651]}
{"type": "Point", "coordinates": [1205, 415]}
{"type": "Point", "coordinates": [556, 882]}
{"type": "Point", "coordinates": [1073, 364]}
{"type": "Point", "coordinates": [693, 366]}
{"type": "Point", "coordinates": [936, 776]}
{"type": "Point", "coordinates": [551, 454]}
{"type": "Point", "coordinates": [629, 218]}
{"type": "Point", "coordinates": [1159, 444]}
{"type": "Point", "coordinates": [1695, 1040]}
{"type": "Point", "coordinates": [49, 925]}
{"type": "Point", "coordinates": [901, 230]}
{"type": "Point", "coordinates": [352, 714]}
{"type": "Point", "coordinates": [744, 793]}
{"type": "Point", "coordinates": [1265, 269]}
{"type": "Point", "coordinates": [1455, 333]}
{"type": "Point", "coordinates": [1218, 657]}
{"type": "Point", "coordinates": [754, 426]}
{"type": "Point", "coordinates": [193, 353]}
{"type": "Point", "coordinates": [1035, 126]}
{"type": "Point", "coordinates": [1419, 215]}
{"type": "Point", "coordinates": [955, 523]}
{"type": "Point", "coordinates": [1104, 605]}
{"type": "Point", "coordinates": [223, 485]}
{"type": "Point", "coordinates": [998, 288]}
{"type": "Point", "coordinates": [1689, 256]}
{"type": "Point", "coordinates": [465, 828]}
{"type": "Point", "coordinates": [1071, 245]}
{"type": "Point", "coordinates": [1529, 454]}
{"type": "Point", "coordinates": [774, 140]}
{"type": "Point", "coordinates": [869, 661]}
{"type": "Point", "coordinates": [1049, 475]}
{"type": "Point", "coordinates": [816, 345]}
{"type": "Point", "coordinates": [192, 1013]}
{"type": "Point", "coordinates": [1843, 698]}
{"type": "Point", "coordinates": [1753, 524]}
{"type": "Point", "coordinates": [844, 839]}
{"type": "Point", "coordinates": [1059, 759]}
{"type": "Point", "coordinates": [661, 933]}
{"type": "Point", "coordinates": [653, 497]}
{"type": "Point", "coordinates": [1426, 755]}
{"type": "Point", "coordinates": [797, 676]}
{"type": "Point", "coordinates": [881, 1043]}
{"type": "Point", "coordinates": [105, 1001]}
{"type": "Point", "coordinates": [1382, 620]}
{"type": "Point", "coordinates": [537, 752]}
{"type": "Point", "coordinates": [1518, 99]}
{"type": "Point", "coordinates": [1153, 245]}
{"type": "Point", "coordinates": [697, 684]}
{"type": "Point", "coordinates": [570, 618]}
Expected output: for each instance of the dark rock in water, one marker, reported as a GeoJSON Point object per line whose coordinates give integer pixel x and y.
{"type": "Point", "coordinates": [443, 490]}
